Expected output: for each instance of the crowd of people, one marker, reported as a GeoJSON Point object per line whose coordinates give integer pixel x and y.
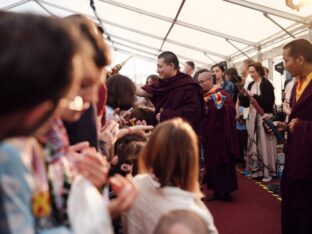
{"type": "Point", "coordinates": [85, 150]}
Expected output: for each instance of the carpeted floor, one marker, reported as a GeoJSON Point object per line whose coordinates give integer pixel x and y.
{"type": "Point", "coordinates": [253, 210]}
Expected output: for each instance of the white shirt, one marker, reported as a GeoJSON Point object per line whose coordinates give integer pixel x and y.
{"type": "Point", "coordinates": [247, 81]}
{"type": "Point", "coordinates": [109, 113]}
{"type": "Point", "coordinates": [153, 202]}
{"type": "Point", "coordinates": [288, 89]}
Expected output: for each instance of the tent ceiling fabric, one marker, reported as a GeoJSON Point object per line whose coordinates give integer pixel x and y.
{"type": "Point", "coordinates": [200, 31]}
{"type": "Point", "coordinates": [233, 19]}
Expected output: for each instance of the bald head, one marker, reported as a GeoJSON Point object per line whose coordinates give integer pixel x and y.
{"type": "Point", "coordinates": [205, 75]}
{"type": "Point", "coordinates": [205, 80]}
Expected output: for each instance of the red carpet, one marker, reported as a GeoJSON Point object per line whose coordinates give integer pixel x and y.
{"type": "Point", "coordinates": [252, 211]}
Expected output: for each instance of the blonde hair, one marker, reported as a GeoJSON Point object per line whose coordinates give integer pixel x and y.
{"type": "Point", "coordinates": [171, 154]}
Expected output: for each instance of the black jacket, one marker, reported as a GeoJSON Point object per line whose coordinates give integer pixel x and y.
{"type": "Point", "coordinates": [265, 100]}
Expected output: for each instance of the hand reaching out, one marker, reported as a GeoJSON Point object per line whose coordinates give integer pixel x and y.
{"type": "Point", "coordinates": [109, 133]}
{"type": "Point", "coordinates": [94, 167]}
{"type": "Point", "coordinates": [85, 160]}
{"type": "Point", "coordinates": [126, 191]}
{"type": "Point", "coordinates": [141, 130]}
{"type": "Point", "coordinates": [120, 119]}
{"type": "Point", "coordinates": [280, 126]}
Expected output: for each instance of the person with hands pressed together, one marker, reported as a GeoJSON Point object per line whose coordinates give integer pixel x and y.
{"type": "Point", "coordinates": [126, 191]}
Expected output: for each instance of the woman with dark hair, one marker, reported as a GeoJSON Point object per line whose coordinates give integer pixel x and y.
{"type": "Point", "coordinates": [85, 128]}
{"type": "Point", "coordinates": [121, 94]}
{"type": "Point", "coordinates": [218, 73]}
{"type": "Point", "coordinates": [232, 75]}
{"type": "Point", "coordinates": [152, 79]}
{"type": "Point", "coordinates": [145, 101]}
{"type": "Point", "coordinates": [261, 155]}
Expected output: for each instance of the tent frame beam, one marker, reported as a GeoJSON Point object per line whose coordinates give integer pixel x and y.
{"type": "Point", "coordinates": [305, 25]}
{"type": "Point", "coordinates": [43, 7]}
{"type": "Point", "coordinates": [153, 48]}
{"type": "Point", "coordinates": [139, 55]}
{"type": "Point", "coordinates": [276, 38]}
{"type": "Point", "coordinates": [277, 24]}
{"type": "Point", "coordinates": [172, 24]}
{"type": "Point", "coordinates": [136, 54]}
{"type": "Point", "coordinates": [16, 4]}
{"type": "Point", "coordinates": [141, 32]}
{"type": "Point", "coordinates": [214, 61]}
{"type": "Point", "coordinates": [180, 23]}
{"type": "Point", "coordinates": [133, 42]}
{"type": "Point", "coordinates": [271, 11]}
{"type": "Point", "coordinates": [156, 53]}
{"type": "Point", "coordinates": [232, 44]}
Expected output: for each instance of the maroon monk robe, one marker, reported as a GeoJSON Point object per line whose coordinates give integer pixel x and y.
{"type": "Point", "coordinates": [297, 176]}
{"type": "Point", "coordinates": [220, 144]}
{"type": "Point", "coordinates": [178, 96]}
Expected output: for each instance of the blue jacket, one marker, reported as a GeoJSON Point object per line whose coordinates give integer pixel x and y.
{"type": "Point", "coordinates": [228, 86]}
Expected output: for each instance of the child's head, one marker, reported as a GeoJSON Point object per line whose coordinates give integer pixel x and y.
{"type": "Point", "coordinates": [171, 154]}
{"type": "Point", "coordinates": [141, 114]}
{"type": "Point", "coordinates": [181, 221]}
{"type": "Point", "coordinates": [128, 150]}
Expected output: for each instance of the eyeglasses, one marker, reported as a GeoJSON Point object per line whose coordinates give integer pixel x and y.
{"type": "Point", "coordinates": [202, 81]}
{"type": "Point", "coordinates": [76, 104]}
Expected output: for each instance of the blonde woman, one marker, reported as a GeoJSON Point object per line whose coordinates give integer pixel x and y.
{"type": "Point", "coordinates": [168, 179]}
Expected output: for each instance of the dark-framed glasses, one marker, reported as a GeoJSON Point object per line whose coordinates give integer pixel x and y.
{"type": "Point", "coordinates": [202, 81]}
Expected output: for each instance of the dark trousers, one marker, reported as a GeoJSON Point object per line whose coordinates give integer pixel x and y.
{"type": "Point", "coordinates": [242, 141]}
{"type": "Point", "coordinates": [296, 206]}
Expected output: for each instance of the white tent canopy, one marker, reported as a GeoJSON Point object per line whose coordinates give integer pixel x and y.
{"type": "Point", "coordinates": [204, 31]}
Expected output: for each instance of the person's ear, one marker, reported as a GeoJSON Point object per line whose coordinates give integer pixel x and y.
{"type": "Point", "coordinates": [300, 60]}
{"type": "Point", "coordinates": [38, 112]}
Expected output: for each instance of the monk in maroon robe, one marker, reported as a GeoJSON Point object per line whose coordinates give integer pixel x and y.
{"type": "Point", "coordinates": [220, 140]}
{"type": "Point", "coordinates": [175, 94]}
{"type": "Point", "coordinates": [297, 175]}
